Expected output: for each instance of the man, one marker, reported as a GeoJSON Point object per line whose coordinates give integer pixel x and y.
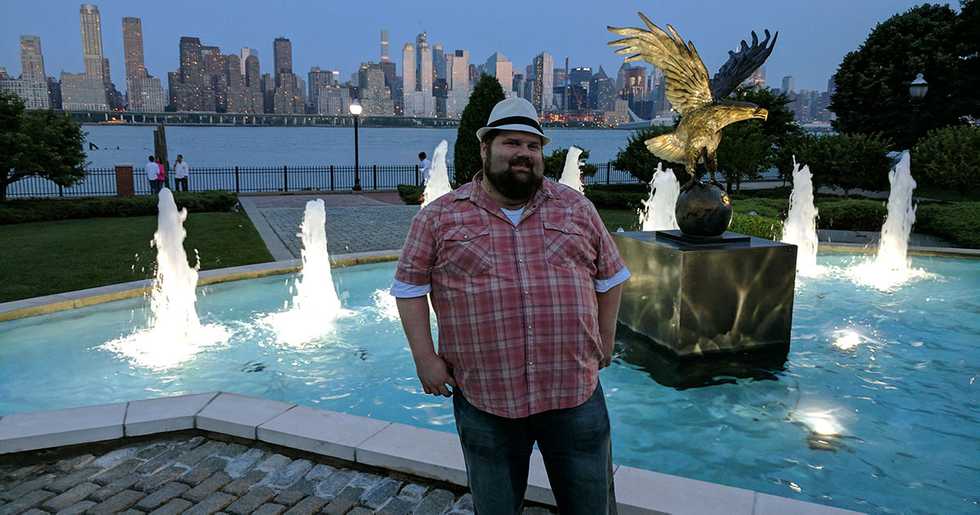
{"type": "Point", "coordinates": [181, 172]}
{"type": "Point", "coordinates": [152, 170]}
{"type": "Point", "coordinates": [526, 283]}
{"type": "Point", "coordinates": [425, 166]}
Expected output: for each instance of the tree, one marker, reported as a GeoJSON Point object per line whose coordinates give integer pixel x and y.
{"type": "Point", "coordinates": [846, 160]}
{"type": "Point", "coordinates": [466, 152]}
{"type": "Point", "coordinates": [949, 158]}
{"type": "Point", "coordinates": [872, 82]}
{"type": "Point", "coordinates": [639, 162]}
{"type": "Point", "coordinates": [554, 164]}
{"type": "Point", "coordinates": [38, 143]}
{"type": "Point", "coordinates": [751, 147]}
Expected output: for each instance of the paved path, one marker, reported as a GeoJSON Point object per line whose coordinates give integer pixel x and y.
{"type": "Point", "coordinates": [194, 474]}
{"type": "Point", "coordinates": [355, 223]}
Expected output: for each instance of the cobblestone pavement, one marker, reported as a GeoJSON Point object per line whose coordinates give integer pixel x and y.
{"type": "Point", "coordinates": [355, 223]}
{"type": "Point", "coordinates": [196, 475]}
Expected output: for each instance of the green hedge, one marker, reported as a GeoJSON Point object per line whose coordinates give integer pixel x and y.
{"type": "Point", "coordinates": [851, 215]}
{"type": "Point", "coordinates": [410, 194]}
{"type": "Point", "coordinates": [957, 222]}
{"type": "Point", "coordinates": [43, 210]}
{"type": "Point", "coordinates": [756, 225]}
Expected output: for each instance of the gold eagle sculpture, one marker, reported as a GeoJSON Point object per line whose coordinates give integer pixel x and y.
{"type": "Point", "coordinates": [700, 102]}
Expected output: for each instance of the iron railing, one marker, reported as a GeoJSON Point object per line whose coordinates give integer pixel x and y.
{"type": "Point", "coordinates": [267, 179]}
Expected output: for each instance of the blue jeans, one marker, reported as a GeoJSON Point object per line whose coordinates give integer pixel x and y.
{"type": "Point", "coordinates": [575, 445]}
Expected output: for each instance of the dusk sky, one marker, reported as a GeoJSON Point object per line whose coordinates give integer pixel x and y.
{"type": "Point", "coordinates": [814, 35]}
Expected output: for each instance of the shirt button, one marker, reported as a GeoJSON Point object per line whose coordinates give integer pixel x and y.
{"type": "Point", "coordinates": [530, 363]}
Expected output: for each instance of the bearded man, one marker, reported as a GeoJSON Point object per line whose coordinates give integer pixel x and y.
{"type": "Point", "coordinates": [526, 282]}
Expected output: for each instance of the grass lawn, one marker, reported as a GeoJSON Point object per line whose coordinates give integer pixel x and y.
{"type": "Point", "coordinates": [52, 257]}
{"type": "Point", "coordinates": [616, 218]}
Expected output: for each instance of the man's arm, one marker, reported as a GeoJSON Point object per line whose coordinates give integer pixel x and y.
{"type": "Point", "coordinates": [608, 312]}
{"type": "Point", "coordinates": [431, 369]}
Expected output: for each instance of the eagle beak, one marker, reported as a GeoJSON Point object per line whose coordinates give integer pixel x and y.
{"type": "Point", "coordinates": [760, 113]}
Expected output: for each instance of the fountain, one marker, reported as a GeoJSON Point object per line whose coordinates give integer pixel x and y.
{"type": "Point", "coordinates": [315, 304]}
{"type": "Point", "coordinates": [657, 213]}
{"type": "Point", "coordinates": [174, 333]}
{"type": "Point", "coordinates": [571, 176]}
{"type": "Point", "coordinates": [890, 266]}
{"type": "Point", "coordinates": [800, 228]}
{"type": "Point", "coordinates": [438, 183]}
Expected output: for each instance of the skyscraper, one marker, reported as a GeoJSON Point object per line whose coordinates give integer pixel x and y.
{"type": "Point", "coordinates": [424, 64]}
{"type": "Point", "coordinates": [92, 41]}
{"type": "Point", "coordinates": [408, 68]}
{"type": "Point", "coordinates": [31, 59]}
{"type": "Point", "coordinates": [143, 92]}
{"type": "Point", "coordinates": [458, 72]}
{"type": "Point", "coordinates": [439, 62]}
{"type": "Point", "coordinates": [789, 85]}
{"type": "Point", "coordinates": [243, 56]}
{"type": "Point", "coordinates": [191, 90]}
{"type": "Point", "coordinates": [373, 94]}
{"type": "Point", "coordinates": [544, 73]}
{"type": "Point", "coordinates": [282, 55]}
{"type": "Point", "coordinates": [384, 46]}
{"type": "Point", "coordinates": [253, 85]}
{"type": "Point", "coordinates": [501, 68]}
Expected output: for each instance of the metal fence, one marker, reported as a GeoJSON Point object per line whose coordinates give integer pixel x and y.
{"type": "Point", "coordinates": [100, 182]}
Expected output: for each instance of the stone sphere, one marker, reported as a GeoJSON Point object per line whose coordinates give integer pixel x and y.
{"type": "Point", "coordinates": [703, 210]}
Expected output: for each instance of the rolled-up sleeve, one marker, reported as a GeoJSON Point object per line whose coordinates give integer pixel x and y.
{"type": "Point", "coordinates": [609, 264]}
{"type": "Point", "coordinates": [419, 252]}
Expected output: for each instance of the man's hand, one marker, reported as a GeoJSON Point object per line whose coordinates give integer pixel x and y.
{"type": "Point", "coordinates": [434, 375]}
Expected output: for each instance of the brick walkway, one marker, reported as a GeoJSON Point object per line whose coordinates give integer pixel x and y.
{"type": "Point", "coordinates": [355, 223]}
{"type": "Point", "coordinates": [196, 475]}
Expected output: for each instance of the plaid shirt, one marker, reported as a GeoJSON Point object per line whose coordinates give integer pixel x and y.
{"type": "Point", "coordinates": [516, 305]}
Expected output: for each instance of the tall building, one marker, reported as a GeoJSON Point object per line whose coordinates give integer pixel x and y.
{"type": "Point", "coordinates": [408, 68]}
{"type": "Point", "coordinates": [243, 56]}
{"type": "Point", "coordinates": [92, 41]}
{"type": "Point", "coordinates": [317, 80]}
{"type": "Point", "coordinates": [79, 92]}
{"type": "Point", "coordinates": [384, 46]}
{"type": "Point", "coordinates": [253, 85]}
{"type": "Point", "coordinates": [788, 85]}
{"type": "Point", "coordinates": [500, 67]}
{"type": "Point", "coordinates": [439, 62]}
{"type": "Point", "coordinates": [602, 92]}
{"type": "Point", "coordinates": [458, 73]}
{"type": "Point", "coordinates": [31, 59]}
{"type": "Point", "coordinates": [544, 73]}
{"type": "Point", "coordinates": [236, 99]}
{"type": "Point", "coordinates": [425, 73]}
{"type": "Point", "coordinates": [282, 55]}
{"type": "Point", "coordinates": [143, 91]}
{"type": "Point", "coordinates": [190, 89]}
{"type": "Point", "coordinates": [374, 96]}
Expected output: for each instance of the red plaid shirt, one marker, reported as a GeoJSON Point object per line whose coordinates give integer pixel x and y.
{"type": "Point", "coordinates": [516, 305]}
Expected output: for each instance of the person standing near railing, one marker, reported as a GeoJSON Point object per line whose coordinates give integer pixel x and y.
{"type": "Point", "coordinates": [425, 166]}
{"type": "Point", "coordinates": [181, 172]}
{"type": "Point", "coordinates": [152, 170]}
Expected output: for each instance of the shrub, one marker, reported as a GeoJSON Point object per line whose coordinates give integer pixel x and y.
{"type": "Point", "coordinates": [466, 151]}
{"type": "Point", "coordinates": [846, 160]}
{"type": "Point", "coordinates": [758, 226]}
{"type": "Point", "coordinates": [410, 194]}
{"type": "Point", "coordinates": [639, 162]}
{"type": "Point", "coordinates": [42, 210]}
{"type": "Point", "coordinates": [949, 157]}
{"type": "Point", "coordinates": [851, 215]}
{"type": "Point", "coordinates": [958, 222]}
{"type": "Point", "coordinates": [616, 199]}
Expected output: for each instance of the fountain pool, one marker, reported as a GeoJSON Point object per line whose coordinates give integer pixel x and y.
{"type": "Point", "coordinates": [876, 408]}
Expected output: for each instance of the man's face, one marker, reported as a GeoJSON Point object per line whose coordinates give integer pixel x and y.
{"type": "Point", "coordinates": [514, 164]}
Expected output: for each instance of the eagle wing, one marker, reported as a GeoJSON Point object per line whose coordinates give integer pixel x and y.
{"type": "Point", "coordinates": [741, 64]}
{"type": "Point", "coordinates": [687, 78]}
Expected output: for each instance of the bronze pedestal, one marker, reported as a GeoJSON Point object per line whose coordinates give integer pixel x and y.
{"type": "Point", "coordinates": [729, 294]}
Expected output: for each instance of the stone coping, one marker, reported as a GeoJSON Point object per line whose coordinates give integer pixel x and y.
{"type": "Point", "coordinates": [91, 296]}
{"type": "Point", "coordinates": [395, 447]}
{"type": "Point", "coordinates": [871, 248]}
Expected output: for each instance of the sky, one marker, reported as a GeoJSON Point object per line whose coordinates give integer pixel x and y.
{"type": "Point", "coordinates": [813, 35]}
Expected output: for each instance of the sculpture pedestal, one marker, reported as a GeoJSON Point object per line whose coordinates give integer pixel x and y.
{"type": "Point", "coordinates": [733, 293]}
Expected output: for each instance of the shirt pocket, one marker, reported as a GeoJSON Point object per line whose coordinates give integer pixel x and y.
{"type": "Point", "coordinates": [466, 250]}
{"type": "Point", "coordinates": [567, 246]}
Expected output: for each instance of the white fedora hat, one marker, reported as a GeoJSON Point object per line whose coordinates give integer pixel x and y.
{"type": "Point", "coordinates": [513, 114]}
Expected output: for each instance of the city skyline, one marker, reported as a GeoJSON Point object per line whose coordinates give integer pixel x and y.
{"type": "Point", "coordinates": [807, 54]}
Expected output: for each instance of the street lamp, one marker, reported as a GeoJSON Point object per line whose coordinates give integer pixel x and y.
{"type": "Point", "coordinates": [355, 110]}
{"type": "Point", "coordinates": [917, 91]}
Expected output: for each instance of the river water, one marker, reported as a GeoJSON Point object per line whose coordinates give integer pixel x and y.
{"type": "Point", "coordinates": [271, 146]}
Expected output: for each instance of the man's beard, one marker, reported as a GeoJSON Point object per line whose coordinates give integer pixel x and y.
{"type": "Point", "coordinates": [513, 185]}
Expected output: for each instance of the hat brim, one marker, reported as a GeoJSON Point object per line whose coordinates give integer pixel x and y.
{"type": "Point", "coordinates": [515, 128]}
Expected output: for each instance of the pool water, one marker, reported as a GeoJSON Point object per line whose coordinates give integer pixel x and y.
{"type": "Point", "coordinates": [875, 409]}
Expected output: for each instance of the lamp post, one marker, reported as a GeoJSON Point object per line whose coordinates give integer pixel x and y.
{"type": "Point", "coordinates": [917, 91]}
{"type": "Point", "coordinates": [355, 110]}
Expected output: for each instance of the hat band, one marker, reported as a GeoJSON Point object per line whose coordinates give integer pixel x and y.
{"type": "Point", "coordinates": [516, 120]}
